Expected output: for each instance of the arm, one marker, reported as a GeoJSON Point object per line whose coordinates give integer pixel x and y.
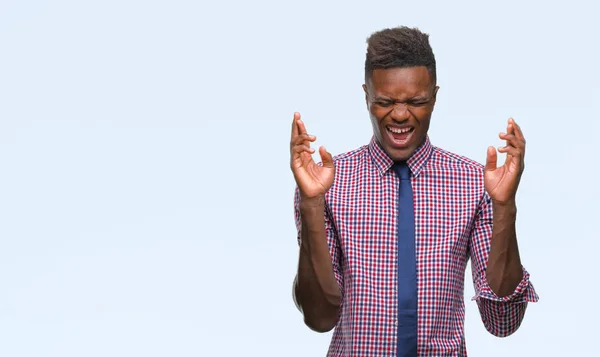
{"type": "Point", "coordinates": [495, 256]}
{"type": "Point", "coordinates": [501, 283]}
{"type": "Point", "coordinates": [504, 270]}
{"type": "Point", "coordinates": [318, 283]}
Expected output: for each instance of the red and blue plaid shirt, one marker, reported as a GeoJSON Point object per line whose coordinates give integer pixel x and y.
{"type": "Point", "coordinates": [453, 222]}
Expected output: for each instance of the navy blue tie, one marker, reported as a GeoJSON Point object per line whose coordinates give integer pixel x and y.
{"type": "Point", "coordinates": [407, 267]}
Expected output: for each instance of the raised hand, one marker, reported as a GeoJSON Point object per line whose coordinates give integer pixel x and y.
{"type": "Point", "coordinates": [502, 182]}
{"type": "Point", "coordinates": [312, 180]}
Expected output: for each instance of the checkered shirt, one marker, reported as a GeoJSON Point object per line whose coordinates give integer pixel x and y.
{"type": "Point", "coordinates": [453, 222]}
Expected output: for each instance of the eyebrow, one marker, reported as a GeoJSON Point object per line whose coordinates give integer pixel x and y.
{"type": "Point", "coordinates": [414, 99]}
{"type": "Point", "coordinates": [418, 99]}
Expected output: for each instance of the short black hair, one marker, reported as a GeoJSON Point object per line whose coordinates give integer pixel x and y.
{"type": "Point", "coordinates": [400, 47]}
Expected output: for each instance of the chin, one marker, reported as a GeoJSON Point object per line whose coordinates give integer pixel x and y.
{"type": "Point", "coordinates": [399, 154]}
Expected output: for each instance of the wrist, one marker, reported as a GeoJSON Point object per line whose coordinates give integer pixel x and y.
{"type": "Point", "coordinates": [504, 212]}
{"type": "Point", "coordinates": [312, 202]}
{"type": "Point", "coordinates": [508, 205]}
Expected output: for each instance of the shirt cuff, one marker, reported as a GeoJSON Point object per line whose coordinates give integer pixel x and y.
{"type": "Point", "coordinates": [524, 292]}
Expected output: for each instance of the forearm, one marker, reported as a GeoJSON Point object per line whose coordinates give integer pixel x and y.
{"type": "Point", "coordinates": [317, 292]}
{"type": "Point", "coordinates": [504, 270]}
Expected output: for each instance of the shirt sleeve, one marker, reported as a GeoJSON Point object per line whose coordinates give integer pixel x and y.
{"type": "Point", "coordinates": [501, 316]}
{"type": "Point", "coordinates": [332, 241]}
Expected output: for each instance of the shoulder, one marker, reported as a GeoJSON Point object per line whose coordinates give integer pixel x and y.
{"type": "Point", "coordinates": [350, 165]}
{"type": "Point", "coordinates": [350, 168]}
{"type": "Point", "coordinates": [464, 175]}
{"type": "Point", "coordinates": [449, 160]}
{"type": "Point", "coordinates": [350, 157]}
{"type": "Point", "coordinates": [349, 160]}
{"type": "Point", "coordinates": [459, 171]}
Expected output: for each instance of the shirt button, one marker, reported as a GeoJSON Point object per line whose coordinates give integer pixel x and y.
{"type": "Point", "coordinates": [396, 322]}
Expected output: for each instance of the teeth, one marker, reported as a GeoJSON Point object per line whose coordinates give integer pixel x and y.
{"type": "Point", "coordinates": [398, 130]}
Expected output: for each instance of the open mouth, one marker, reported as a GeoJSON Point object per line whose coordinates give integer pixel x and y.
{"type": "Point", "coordinates": [400, 136]}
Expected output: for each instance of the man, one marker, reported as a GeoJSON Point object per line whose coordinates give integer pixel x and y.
{"type": "Point", "coordinates": [386, 231]}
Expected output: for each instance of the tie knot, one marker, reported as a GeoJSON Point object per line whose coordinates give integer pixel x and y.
{"type": "Point", "coordinates": [402, 170]}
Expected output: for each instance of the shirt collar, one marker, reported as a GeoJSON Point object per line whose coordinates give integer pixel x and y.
{"type": "Point", "coordinates": [416, 162]}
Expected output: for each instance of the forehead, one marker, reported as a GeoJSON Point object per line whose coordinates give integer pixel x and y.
{"type": "Point", "coordinates": [400, 82]}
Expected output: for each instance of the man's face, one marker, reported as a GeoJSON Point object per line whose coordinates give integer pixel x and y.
{"type": "Point", "coordinates": [400, 102]}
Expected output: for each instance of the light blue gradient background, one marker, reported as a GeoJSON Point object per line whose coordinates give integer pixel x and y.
{"type": "Point", "coordinates": [145, 190]}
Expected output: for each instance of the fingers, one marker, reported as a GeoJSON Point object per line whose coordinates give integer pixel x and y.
{"type": "Point", "coordinates": [300, 143]}
{"type": "Point", "coordinates": [517, 130]}
{"type": "Point", "coordinates": [298, 152]}
{"type": "Point", "coordinates": [298, 149]}
{"type": "Point", "coordinates": [491, 159]}
{"type": "Point", "coordinates": [509, 150]}
{"type": "Point", "coordinates": [512, 140]}
{"type": "Point", "coordinates": [326, 157]}
{"type": "Point", "coordinates": [295, 124]}
{"type": "Point", "coordinates": [302, 139]}
{"type": "Point", "coordinates": [510, 129]}
{"type": "Point", "coordinates": [514, 148]}
{"type": "Point", "coordinates": [299, 135]}
{"type": "Point", "coordinates": [514, 157]}
{"type": "Point", "coordinates": [301, 127]}
{"type": "Point", "coordinates": [298, 127]}
{"type": "Point", "coordinates": [514, 129]}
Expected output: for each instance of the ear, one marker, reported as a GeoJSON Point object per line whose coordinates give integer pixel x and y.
{"type": "Point", "coordinates": [434, 97]}
{"type": "Point", "coordinates": [366, 94]}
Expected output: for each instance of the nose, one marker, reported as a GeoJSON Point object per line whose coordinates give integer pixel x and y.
{"type": "Point", "coordinates": [400, 112]}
